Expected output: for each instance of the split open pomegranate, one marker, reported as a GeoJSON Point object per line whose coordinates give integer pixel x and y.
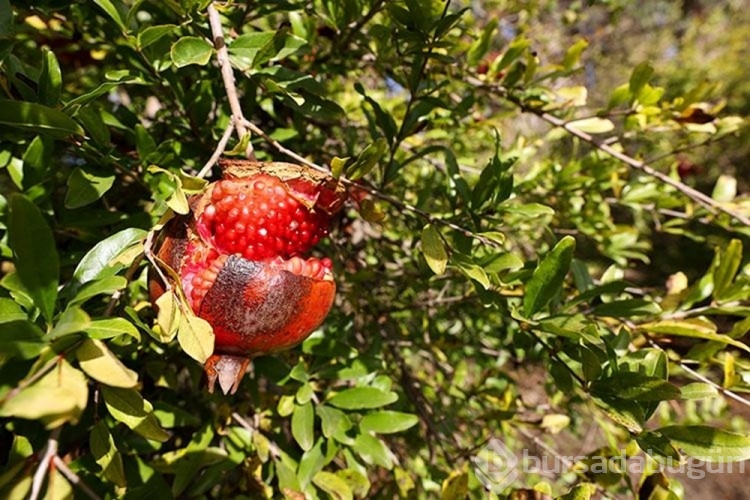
{"type": "Point", "coordinates": [240, 255]}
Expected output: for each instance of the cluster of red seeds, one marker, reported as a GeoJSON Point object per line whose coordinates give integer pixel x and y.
{"type": "Point", "coordinates": [258, 219]}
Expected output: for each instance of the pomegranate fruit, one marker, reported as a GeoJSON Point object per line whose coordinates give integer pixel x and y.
{"type": "Point", "coordinates": [240, 256]}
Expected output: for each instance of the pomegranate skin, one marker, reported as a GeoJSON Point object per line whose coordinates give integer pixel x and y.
{"type": "Point", "coordinates": [254, 307]}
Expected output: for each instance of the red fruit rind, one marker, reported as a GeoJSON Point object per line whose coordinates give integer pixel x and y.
{"type": "Point", "coordinates": [257, 302]}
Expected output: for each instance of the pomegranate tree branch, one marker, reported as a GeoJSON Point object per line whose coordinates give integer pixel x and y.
{"type": "Point", "coordinates": [74, 478]}
{"type": "Point", "coordinates": [50, 451]}
{"type": "Point", "coordinates": [227, 74]}
{"type": "Point", "coordinates": [705, 201]}
{"type": "Point", "coordinates": [370, 190]}
{"type": "Point", "coordinates": [218, 152]}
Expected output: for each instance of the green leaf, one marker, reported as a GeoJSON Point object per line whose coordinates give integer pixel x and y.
{"type": "Point", "coordinates": [109, 8]}
{"type": "Point", "coordinates": [7, 28]}
{"type": "Point", "coordinates": [592, 125]}
{"type": "Point", "coordinates": [373, 451]}
{"type": "Point", "coordinates": [34, 252]}
{"type": "Point", "coordinates": [658, 447]}
{"type": "Point", "coordinates": [635, 386]}
{"type": "Point", "coordinates": [168, 317]}
{"type": "Point", "coordinates": [153, 33]}
{"type": "Point", "coordinates": [455, 486]}
{"type": "Point", "coordinates": [106, 454]}
{"type": "Point", "coordinates": [360, 398]}
{"type": "Point", "coordinates": [102, 365]}
{"type": "Point", "coordinates": [100, 261]}
{"type": "Point", "coordinates": [481, 45]}
{"type": "Point", "coordinates": [367, 159]}
{"type": "Point", "coordinates": [470, 269]}
{"type": "Point", "coordinates": [333, 485]}
{"type": "Point", "coordinates": [58, 397]}
{"type": "Point", "coordinates": [85, 186]}
{"type": "Point", "coordinates": [302, 425]}
{"type": "Point", "coordinates": [106, 328]}
{"type": "Point", "coordinates": [639, 78]}
{"type": "Point", "coordinates": [573, 54]}
{"type": "Point", "coordinates": [106, 286]}
{"type": "Point", "coordinates": [629, 414]}
{"type": "Point", "coordinates": [548, 277]}
{"type": "Point", "coordinates": [513, 52]}
{"type": "Point", "coordinates": [21, 339]}
{"type": "Point", "coordinates": [10, 311]}
{"type": "Point", "coordinates": [144, 143]}
{"type": "Point", "coordinates": [583, 491]}
{"type": "Point", "coordinates": [692, 328]}
{"type": "Point", "coordinates": [311, 463]}
{"type": "Point", "coordinates": [708, 443]}
{"type": "Point", "coordinates": [387, 422]}
{"type": "Point", "coordinates": [128, 407]}
{"type": "Point", "coordinates": [627, 308]}
{"type": "Point", "coordinates": [698, 390]}
{"type": "Point", "coordinates": [196, 337]}
{"type": "Point", "coordinates": [333, 421]}
{"type": "Point", "coordinates": [729, 263]}
{"type": "Point", "coordinates": [38, 118]}
{"type": "Point", "coordinates": [191, 50]}
{"type": "Point", "coordinates": [73, 320]}
{"type": "Point", "coordinates": [433, 249]}
{"type": "Point", "coordinates": [50, 80]}
{"type": "Point", "coordinates": [91, 119]}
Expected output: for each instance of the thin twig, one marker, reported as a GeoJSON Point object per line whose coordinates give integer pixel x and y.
{"type": "Point", "coordinates": [370, 190]}
{"type": "Point", "coordinates": [227, 74]}
{"type": "Point", "coordinates": [74, 478]}
{"type": "Point", "coordinates": [252, 430]}
{"type": "Point", "coordinates": [218, 151]}
{"type": "Point", "coordinates": [50, 451]}
{"type": "Point", "coordinates": [698, 376]}
{"type": "Point", "coordinates": [704, 200]}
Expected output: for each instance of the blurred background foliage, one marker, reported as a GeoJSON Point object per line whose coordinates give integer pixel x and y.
{"type": "Point", "coordinates": [504, 277]}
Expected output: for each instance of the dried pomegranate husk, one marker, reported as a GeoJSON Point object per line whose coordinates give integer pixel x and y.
{"type": "Point", "coordinates": [254, 306]}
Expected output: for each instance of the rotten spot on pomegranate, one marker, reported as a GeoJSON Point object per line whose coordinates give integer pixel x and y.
{"type": "Point", "coordinates": [241, 258]}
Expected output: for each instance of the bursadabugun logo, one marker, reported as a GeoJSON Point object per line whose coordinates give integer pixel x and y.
{"type": "Point", "coordinates": [495, 466]}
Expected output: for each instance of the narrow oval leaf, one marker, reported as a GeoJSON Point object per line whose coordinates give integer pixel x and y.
{"type": "Point", "coordinates": [698, 390]}
{"type": "Point", "coordinates": [102, 365]}
{"type": "Point", "coordinates": [693, 328]}
{"type": "Point", "coordinates": [434, 249]}
{"type": "Point", "coordinates": [635, 386]}
{"type": "Point", "coordinates": [85, 187]}
{"type": "Point", "coordinates": [34, 252]}
{"type": "Point", "coordinates": [367, 159]}
{"type": "Point", "coordinates": [106, 328]}
{"type": "Point", "coordinates": [360, 398]}
{"type": "Point", "coordinates": [154, 33]}
{"type": "Point", "coordinates": [21, 339]}
{"type": "Point", "coordinates": [302, 425]}
{"type": "Point", "coordinates": [548, 277]}
{"type": "Point", "coordinates": [128, 407]}
{"type": "Point", "coordinates": [592, 125]}
{"type": "Point", "coordinates": [333, 485]}
{"type": "Point", "coordinates": [38, 118]}
{"type": "Point", "coordinates": [73, 320]}
{"type": "Point", "coordinates": [110, 9]}
{"type": "Point", "coordinates": [50, 80]}
{"type": "Point", "coordinates": [106, 454]}
{"type": "Point", "coordinates": [196, 337]}
{"type": "Point", "coordinates": [104, 286]}
{"type": "Point", "coordinates": [387, 422]}
{"type": "Point", "coordinates": [708, 443]}
{"type": "Point", "coordinates": [191, 50]}
{"type": "Point", "coordinates": [99, 261]}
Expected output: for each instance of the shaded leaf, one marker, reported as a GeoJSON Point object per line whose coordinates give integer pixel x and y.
{"type": "Point", "coordinates": [433, 249]}
{"type": "Point", "coordinates": [191, 50]}
{"type": "Point", "coordinates": [548, 277]}
{"type": "Point", "coordinates": [34, 252]}
{"type": "Point", "coordinates": [128, 407]}
{"type": "Point", "coordinates": [360, 398]}
{"type": "Point", "coordinates": [38, 118]}
{"type": "Point", "coordinates": [708, 443]}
